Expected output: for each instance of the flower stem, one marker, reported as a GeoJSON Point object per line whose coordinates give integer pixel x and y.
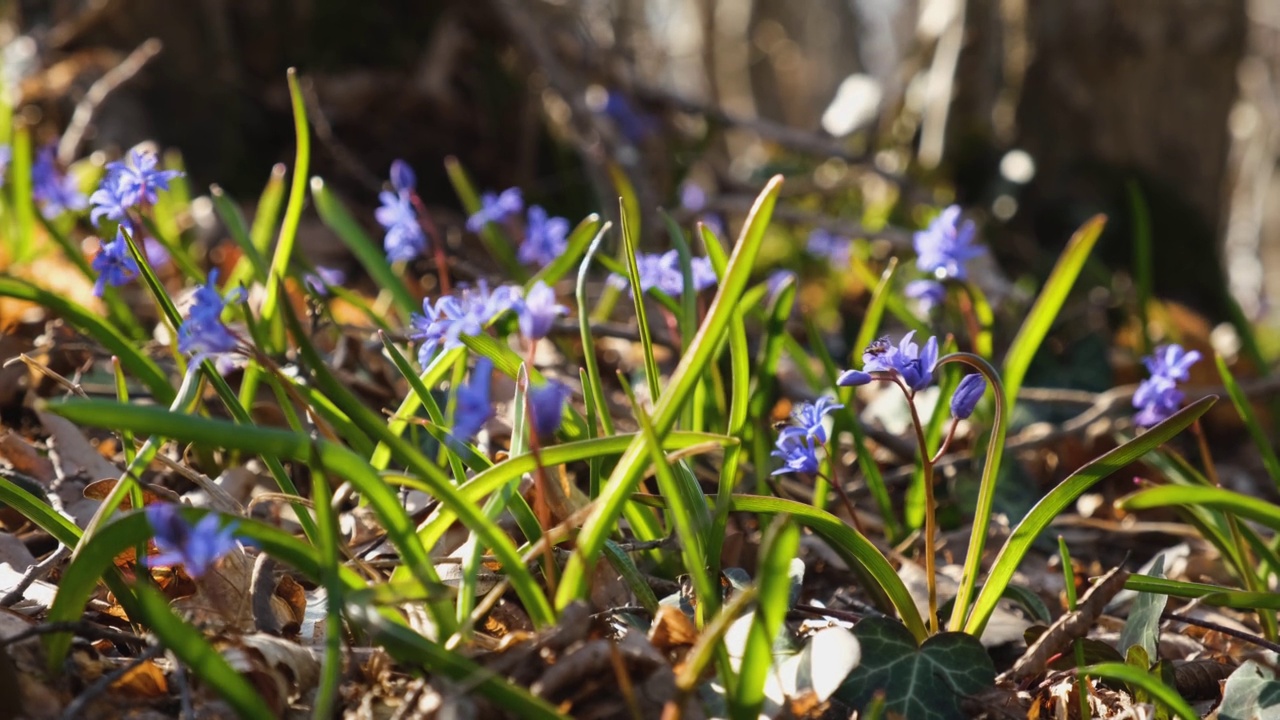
{"type": "Point", "coordinates": [930, 516]}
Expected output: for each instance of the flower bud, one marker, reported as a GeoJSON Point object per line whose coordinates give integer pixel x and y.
{"type": "Point", "coordinates": [967, 395]}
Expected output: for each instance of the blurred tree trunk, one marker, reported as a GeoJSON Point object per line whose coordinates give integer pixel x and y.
{"type": "Point", "coordinates": [1113, 91]}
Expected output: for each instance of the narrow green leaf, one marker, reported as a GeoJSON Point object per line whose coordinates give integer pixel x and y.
{"type": "Point", "coordinates": [780, 547]}
{"type": "Point", "coordinates": [292, 214]}
{"type": "Point", "coordinates": [1259, 435]}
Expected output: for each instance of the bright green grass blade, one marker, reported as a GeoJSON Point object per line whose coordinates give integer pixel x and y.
{"type": "Point", "coordinates": [506, 361]}
{"type": "Point", "coordinates": [688, 300]}
{"type": "Point", "coordinates": [588, 347]}
{"type": "Point", "coordinates": [575, 246]}
{"type": "Point", "coordinates": [138, 365]}
{"type": "Point", "coordinates": [780, 546]}
{"type": "Point", "coordinates": [864, 558]}
{"type": "Point", "coordinates": [740, 397]}
{"type": "Point", "coordinates": [22, 198]}
{"type": "Point", "coordinates": [1045, 309]}
{"type": "Point", "coordinates": [122, 396]}
{"type": "Point", "coordinates": [1133, 676]}
{"type": "Point", "coordinates": [336, 216]}
{"type": "Point", "coordinates": [177, 254]}
{"type": "Point", "coordinates": [631, 574]}
{"type": "Point", "coordinates": [266, 217]}
{"type": "Point", "coordinates": [1215, 595]}
{"type": "Point", "coordinates": [1256, 432]}
{"type": "Point", "coordinates": [190, 646]}
{"type": "Point", "coordinates": [292, 216]}
{"type": "Point", "coordinates": [1058, 499]}
{"type": "Point", "coordinates": [1245, 506]}
{"type": "Point", "coordinates": [328, 538]}
{"type": "Point", "coordinates": [637, 295]}
{"type": "Point", "coordinates": [602, 521]}
{"type": "Point", "coordinates": [424, 396]}
{"type": "Point", "coordinates": [168, 311]}
{"type": "Point", "coordinates": [500, 246]}
{"type": "Point", "coordinates": [431, 376]}
{"type": "Point", "coordinates": [895, 305]}
{"type": "Point", "coordinates": [233, 219]}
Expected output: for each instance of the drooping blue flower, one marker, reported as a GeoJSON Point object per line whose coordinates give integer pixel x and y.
{"type": "Point", "coordinates": [405, 239]}
{"type": "Point", "coordinates": [114, 264]}
{"type": "Point", "coordinates": [55, 191]}
{"type": "Point", "coordinates": [967, 395]}
{"type": "Point", "coordinates": [797, 450]}
{"type": "Point", "coordinates": [943, 248]}
{"type": "Point", "coordinates": [197, 548]}
{"type": "Point", "coordinates": [443, 323]}
{"type": "Point", "coordinates": [546, 405]}
{"type": "Point", "coordinates": [538, 311]}
{"type": "Point", "coordinates": [908, 361]}
{"type": "Point", "coordinates": [831, 247]}
{"type": "Point", "coordinates": [203, 332]}
{"type": "Point", "coordinates": [496, 208]}
{"type": "Point", "coordinates": [811, 417]}
{"type": "Point", "coordinates": [324, 278]}
{"type": "Point", "coordinates": [136, 179]}
{"type": "Point", "coordinates": [545, 238]}
{"type": "Point", "coordinates": [1158, 397]}
{"type": "Point", "coordinates": [474, 408]}
{"type": "Point", "coordinates": [402, 177]}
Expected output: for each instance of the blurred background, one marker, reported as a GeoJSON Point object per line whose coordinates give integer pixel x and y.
{"type": "Point", "coordinates": [1034, 115]}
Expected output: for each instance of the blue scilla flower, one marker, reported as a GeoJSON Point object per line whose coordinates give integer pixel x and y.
{"type": "Point", "coordinates": [538, 311]}
{"type": "Point", "coordinates": [798, 451]}
{"type": "Point", "coordinates": [662, 272]}
{"type": "Point", "coordinates": [203, 332]}
{"type": "Point", "coordinates": [197, 548]}
{"type": "Point", "coordinates": [443, 324]}
{"type": "Point", "coordinates": [114, 264]}
{"type": "Point", "coordinates": [55, 191]}
{"type": "Point", "coordinates": [1158, 397]}
{"type": "Point", "coordinates": [929, 292]}
{"type": "Point", "coordinates": [908, 361]}
{"type": "Point", "coordinates": [137, 179]}
{"type": "Point", "coordinates": [827, 245]}
{"type": "Point", "coordinates": [324, 278]}
{"type": "Point", "coordinates": [546, 406]}
{"type": "Point", "coordinates": [403, 178]}
{"type": "Point", "coordinates": [811, 417]}
{"type": "Point", "coordinates": [496, 207]}
{"type": "Point", "coordinates": [967, 395]}
{"type": "Point", "coordinates": [405, 239]}
{"type": "Point", "coordinates": [108, 201]}
{"type": "Point", "coordinates": [545, 238]}
{"type": "Point", "coordinates": [943, 248]}
{"type": "Point", "coordinates": [6, 155]}
{"type": "Point", "coordinates": [474, 407]}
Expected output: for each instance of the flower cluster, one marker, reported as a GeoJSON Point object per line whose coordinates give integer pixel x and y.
{"type": "Point", "coordinates": [404, 239]}
{"type": "Point", "coordinates": [662, 272]}
{"type": "Point", "coordinates": [442, 324]}
{"type": "Point", "coordinates": [831, 247]}
{"type": "Point", "coordinates": [942, 249]}
{"type": "Point", "coordinates": [55, 191]}
{"type": "Point", "coordinates": [907, 362]}
{"type": "Point", "coordinates": [798, 444]}
{"type": "Point", "coordinates": [545, 238]}
{"type": "Point", "coordinates": [203, 332]}
{"type": "Point", "coordinates": [114, 264]}
{"type": "Point", "coordinates": [132, 183]}
{"type": "Point", "coordinates": [496, 207]}
{"type": "Point", "coordinates": [1158, 397]}
{"type": "Point", "coordinates": [197, 548]}
{"type": "Point", "coordinates": [538, 311]}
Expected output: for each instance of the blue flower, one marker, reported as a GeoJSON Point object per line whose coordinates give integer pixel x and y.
{"type": "Point", "coordinates": [634, 126]}
{"type": "Point", "coordinates": [405, 239]}
{"type": "Point", "coordinates": [967, 395]}
{"type": "Point", "coordinates": [203, 331]}
{"type": "Point", "coordinates": [545, 238]}
{"type": "Point", "coordinates": [57, 192]}
{"type": "Point", "coordinates": [108, 201]}
{"type": "Point", "coordinates": [136, 180]}
{"type": "Point", "coordinates": [324, 278]}
{"type": "Point", "coordinates": [797, 450]}
{"type": "Point", "coordinates": [114, 264]}
{"type": "Point", "coordinates": [829, 246]}
{"type": "Point", "coordinates": [443, 323]}
{"type": "Point", "coordinates": [663, 273]}
{"type": "Point", "coordinates": [546, 405]}
{"type": "Point", "coordinates": [908, 361]}
{"type": "Point", "coordinates": [1158, 397]}
{"type": "Point", "coordinates": [198, 548]}
{"type": "Point", "coordinates": [928, 292]}
{"type": "Point", "coordinates": [474, 408]}
{"type": "Point", "coordinates": [496, 208]}
{"type": "Point", "coordinates": [6, 154]}
{"type": "Point", "coordinates": [538, 311]}
{"type": "Point", "coordinates": [946, 245]}
{"type": "Point", "coordinates": [402, 177]}
{"type": "Point", "coordinates": [810, 417]}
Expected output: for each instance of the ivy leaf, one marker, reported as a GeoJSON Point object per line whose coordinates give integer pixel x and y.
{"type": "Point", "coordinates": [922, 682]}
{"type": "Point", "coordinates": [1251, 693]}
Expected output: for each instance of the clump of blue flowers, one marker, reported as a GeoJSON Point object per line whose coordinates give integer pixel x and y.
{"type": "Point", "coordinates": [203, 332]}
{"type": "Point", "coordinates": [405, 238]}
{"type": "Point", "coordinates": [662, 272]}
{"type": "Point", "coordinates": [1158, 397]}
{"type": "Point", "coordinates": [443, 323]}
{"type": "Point", "coordinates": [114, 264]}
{"type": "Point", "coordinates": [545, 237]}
{"type": "Point", "coordinates": [55, 191]}
{"type": "Point", "coordinates": [128, 184]}
{"type": "Point", "coordinates": [197, 548]}
{"type": "Point", "coordinates": [907, 363]}
{"type": "Point", "coordinates": [942, 250]}
{"type": "Point", "coordinates": [798, 444]}
{"type": "Point", "coordinates": [496, 207]}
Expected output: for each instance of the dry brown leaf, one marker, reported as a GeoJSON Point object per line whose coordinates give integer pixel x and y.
{"type": "Point", "coordinates": [222, 598]}
{"type": "Point", "coordinates": [672, 629]}
{"type": "Point", "coordinates": [76, 455]}
{"type": "Point", "coordinates": [280, 670]}
{"type": "Point", "coordinates": [151, 493]}
{"type": "Point", "coordinates": [24, 458]}
{"type": "Point", "coordinates": [145, 680]}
